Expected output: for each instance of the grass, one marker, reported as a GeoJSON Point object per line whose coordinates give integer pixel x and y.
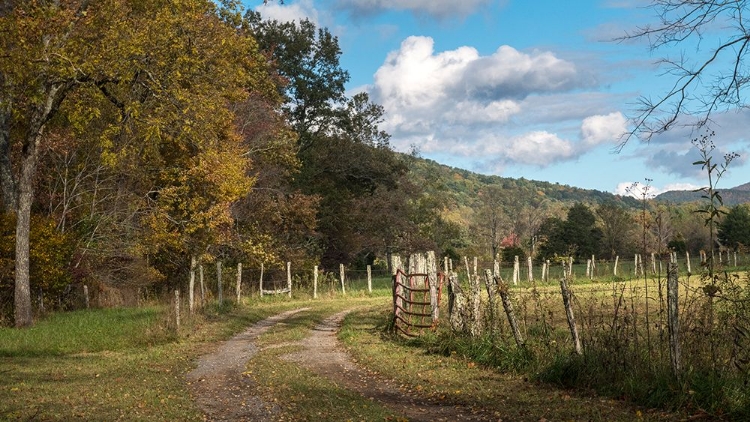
{"type": "Point", "coordinates": [112, 364]}
{"type": "Point", "coordinates": [455, 378]}
{"type": "Point", "coordinates": [129, 364]}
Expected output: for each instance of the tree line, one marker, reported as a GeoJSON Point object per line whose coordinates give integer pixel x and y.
{"type": "Point", "coordinates": [136, 135]}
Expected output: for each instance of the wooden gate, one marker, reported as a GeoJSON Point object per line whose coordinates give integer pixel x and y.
{"type": "Point", "coordinates": [416, 299]}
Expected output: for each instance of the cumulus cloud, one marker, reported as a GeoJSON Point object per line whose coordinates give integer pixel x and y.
{"type": "Point", "coordinates": [462, 103]}
{"type": "Point", "coordinates": [603, 128]}
{"type": "Point", "coordinates": [439, 9]}
{"type": "Point", "coordinates": [422, 89]}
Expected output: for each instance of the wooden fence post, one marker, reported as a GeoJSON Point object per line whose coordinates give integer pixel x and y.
{"type": "Point", "coordinates": [687, 260]}
{"type": "Point", "coordinates": [531, 268]}
{"type": "Point", "coordinates": [508, 307]}
{"type": "Point", "coordinates": [456, 304]}
{"type": "Point", "coordinates": [315, 282]}
{"type": "Point", "coordinates": [86, 295]}
{"type": "Point", "coordinates": [490, 282]}
{"type": "Point", "coordinates": [571, 318]}
{"type": "Point", "coordinates": [218, 282]}
{"type": "Point", "coordinates": [260, 281]}
{"type": "Point", "coordinates": [673, 321]}
{"type": "Point", "coordinates": [369, 279]}
{"type": "Point", "coordinates": [398, 292]}
{"type": "Point", "coordinates": [342, 275]}
{"type": "Point", "coordinates": [570, 267]}
{"type": "Point", "coordinates": [516, 270]}
{"type": "Point", "coordinates": [617, 260]}
{"type": "Point", "coordinates": [475, 294]}
{"type": "Point", "coordinates": [239, 282]}
{"type": "Point", "coordinates": [203, 285]}
{"type": "Point", "coordinates": [593, 266]}
{"type": "Point", "coordinates": [191, 285]}
{"type": "Point", "coordinates": [289, 278]}
{"type": "Point", "coordinates": [432, 276]}
{"type": "Point", "coordinates": [177, 308]}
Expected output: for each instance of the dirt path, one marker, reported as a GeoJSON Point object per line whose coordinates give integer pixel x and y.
{"type": "Point", "coordinates": [324, 355]}
{"type": "Point", "coordinates": [225, 393]}
{"type": "Point", "coordinates": [219, 385]}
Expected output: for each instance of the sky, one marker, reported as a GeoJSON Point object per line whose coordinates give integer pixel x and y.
{"type": "Point", "coordinates": [535, 89]}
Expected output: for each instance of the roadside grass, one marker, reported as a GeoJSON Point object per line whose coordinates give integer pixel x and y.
{"type": "Point", "coordinates": [113, 364]}
{"type": "Point", "coordinates": [424, 366]}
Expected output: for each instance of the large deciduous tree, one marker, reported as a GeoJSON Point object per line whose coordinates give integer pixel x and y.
{"type": "Point", "coordinates": [155, 78]}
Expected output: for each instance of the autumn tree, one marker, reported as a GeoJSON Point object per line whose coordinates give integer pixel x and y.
{"type": "Point", "coordinates": [155, 79]}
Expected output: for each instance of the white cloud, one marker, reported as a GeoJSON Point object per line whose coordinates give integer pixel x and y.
{"type": "Point", "coordinates": [461, 103]}
{"type": "Point", "coordinates": [424, 90]}
{"type": "Point", "coordinates": [637, 190]}
{"type": "Point", "coordinates": [439, 9]}
{"type": "Point", "coordinates": [600, 129]}
{"type": "Point", "coordinates": [297, 11]}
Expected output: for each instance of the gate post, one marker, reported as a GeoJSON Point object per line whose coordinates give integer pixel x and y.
{"type": "Point", "coordinates": [433, 281]}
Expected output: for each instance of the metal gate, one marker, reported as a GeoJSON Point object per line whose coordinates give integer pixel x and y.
{"type": "Point", "coordinates": [416, 299]}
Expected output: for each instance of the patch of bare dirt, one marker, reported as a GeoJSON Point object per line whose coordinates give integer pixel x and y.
{"type": "Point", "coordinates": [219, 384]}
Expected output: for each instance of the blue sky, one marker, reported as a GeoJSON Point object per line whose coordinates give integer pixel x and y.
{"type": "Point", "coordinates": [533, 89]}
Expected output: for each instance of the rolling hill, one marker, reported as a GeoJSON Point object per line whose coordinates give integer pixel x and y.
{"type": "Point", "coordinates": [734, 196]}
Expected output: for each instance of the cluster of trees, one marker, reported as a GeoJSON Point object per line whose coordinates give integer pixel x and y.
{"type": "Point", "coordinates": [605, 230]}
{"type": "Point", "coordinates": [135, 135]}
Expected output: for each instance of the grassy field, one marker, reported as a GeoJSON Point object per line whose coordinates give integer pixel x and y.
{"type": "Point", "coordinates": [130, 363]}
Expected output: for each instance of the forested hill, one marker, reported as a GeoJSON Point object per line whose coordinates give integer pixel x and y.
{"type": "Point", "coordinates": [462, 186]}
{"type": "Point", "coordinates": [734, 196]}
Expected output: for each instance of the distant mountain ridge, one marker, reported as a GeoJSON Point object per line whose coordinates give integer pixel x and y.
{"type": "Point", "coordinates": [731, 197]}
{"type": "Point", "coordinates": [462, 186]}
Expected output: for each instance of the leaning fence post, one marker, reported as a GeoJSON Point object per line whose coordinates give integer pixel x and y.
{"type": "Point", "coordinates": [508, 307]}
{"type": "Point", "coordinates": [673, 320]}
{"type": "Point", "coordinates": [490, 282]}
{"type": "Point", "coordinates": [571, 318]}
